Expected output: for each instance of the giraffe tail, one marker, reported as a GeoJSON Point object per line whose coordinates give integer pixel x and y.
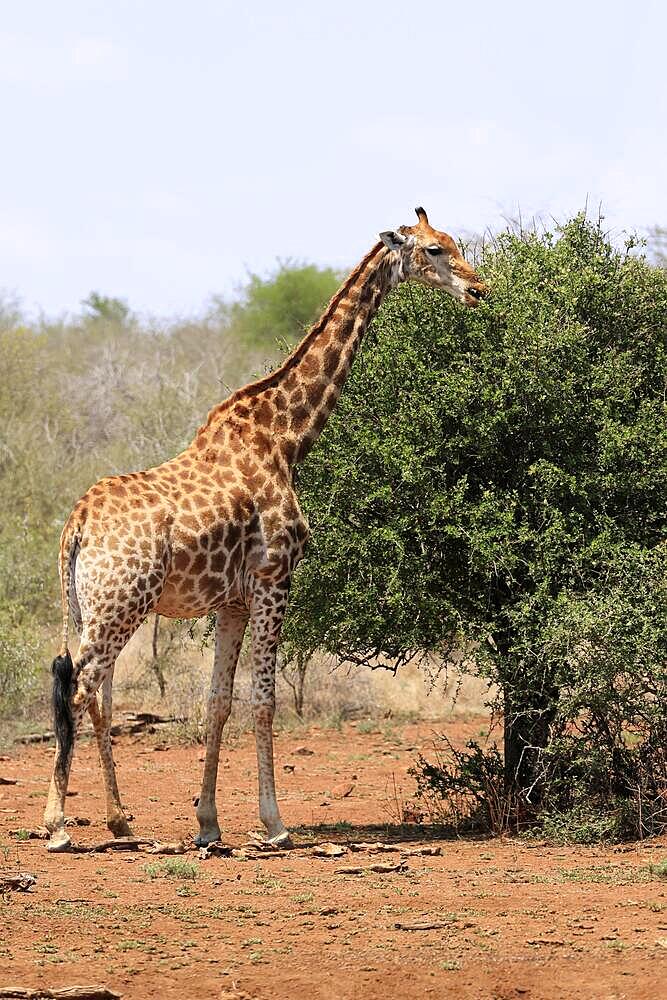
{"type": "Point", "coordinates": [62, 667]}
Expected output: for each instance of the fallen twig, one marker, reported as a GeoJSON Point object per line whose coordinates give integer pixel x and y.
{"type": "Point", "coordinates": [158, 848]}
{"type": "Point", "coordinates": [130, 724]}
{"type": "Point", "coordinates": [433, 925]}
{"type": "Point", "coordinates": [375, 848]}
{"type": "Point", "coordinates": [66, 993]}
{"type": "Point", "coordinates": [117, 844]}
{"type": "Point", "coordinates": [381, 869]}
{"type": "Point", "coordinates": [429, 852]}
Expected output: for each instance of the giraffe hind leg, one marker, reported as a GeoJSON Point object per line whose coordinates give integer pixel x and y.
{"type": "Point", "coordinates": [71, 699]}
{"type": "Point", "coordinates": [266, 621]}
{"type": "Point", "coordinates": [101, 719]}
{"type": "Point", "coordinates": [73, 694]}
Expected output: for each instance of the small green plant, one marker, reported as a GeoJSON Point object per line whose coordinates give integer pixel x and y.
{"type": "Point", "coordinates": [584, 823]}
{"type": "Point", "coordinates": [174, 868]}
{"type": "Point", "coordinates": [130, 945]}
{"type": "Point", "coordinates": [659, 869]}
{"type": "Point", "coordinates": [186, 890]}
{"type": "Point", "coordinates": [391, 735]}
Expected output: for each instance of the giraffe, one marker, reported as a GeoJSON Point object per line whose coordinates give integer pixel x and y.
{"type": "Point", "coordinates": [219, 529]}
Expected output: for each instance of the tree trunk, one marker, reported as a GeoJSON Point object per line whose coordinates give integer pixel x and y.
{"type": "Point", "coordinates": [156, 666]}
{"type": "Point", "coordinates": [527, 727]}
{"type": "Point", "coordinates": [299, 681]}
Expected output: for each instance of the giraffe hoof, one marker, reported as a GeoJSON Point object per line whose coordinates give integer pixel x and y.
{"type": "Point", "coordinates": [281, 839]}
{"type": "Point", "coordinates": [120, 828]}
{"type": "Point", "coordinates": [59, 842]}
{"type": "Point", "coordinates": [204, 839]}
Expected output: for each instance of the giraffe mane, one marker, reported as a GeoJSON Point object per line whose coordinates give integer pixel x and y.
{"type": "Point", "coordinates": [271, 380]}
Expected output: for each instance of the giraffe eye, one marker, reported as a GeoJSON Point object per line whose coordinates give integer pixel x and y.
{"type": "Point", "coordinates": [434, 251]}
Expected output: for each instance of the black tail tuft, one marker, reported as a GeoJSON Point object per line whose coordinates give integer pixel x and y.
{"type": "Point", "coordinates": [62, 669]}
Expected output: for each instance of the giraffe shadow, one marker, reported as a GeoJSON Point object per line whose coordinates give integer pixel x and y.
{"type": "Point", "coordinates": [388, 833]}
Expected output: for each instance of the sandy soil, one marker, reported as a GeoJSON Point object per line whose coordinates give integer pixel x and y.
{"type": "Point", "coordinates": [517, 919]}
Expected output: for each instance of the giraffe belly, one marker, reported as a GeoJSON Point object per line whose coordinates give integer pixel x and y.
{"type": "Point", "coordinates": [181, 601]}
{"type": "Point", "coordinates": [176, 602]}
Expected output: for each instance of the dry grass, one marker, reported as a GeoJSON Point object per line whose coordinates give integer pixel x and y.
{"type": "Point", "coordinates": [333, 694]}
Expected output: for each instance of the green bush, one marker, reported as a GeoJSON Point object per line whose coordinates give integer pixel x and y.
{"type": "Point", "coordinates": [20, 667]}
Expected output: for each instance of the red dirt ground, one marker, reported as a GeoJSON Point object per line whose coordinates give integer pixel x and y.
{"type": "Point", "coordinates": [521, 920]}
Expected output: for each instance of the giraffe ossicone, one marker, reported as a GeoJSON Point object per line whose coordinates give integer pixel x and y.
{"type": "Point", "coordinates": [218, 529]}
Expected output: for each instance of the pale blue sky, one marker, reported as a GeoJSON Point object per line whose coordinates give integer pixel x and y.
{"type": "Point", "coordinates": [157, 150]}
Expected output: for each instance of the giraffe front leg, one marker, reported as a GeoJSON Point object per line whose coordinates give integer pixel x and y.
{"type": "Point", "coordinates": [267, 619]}
{"type": "Point", "coordinates": [116, 819]}
{"type": "Point", "coordinates": [229, 631]}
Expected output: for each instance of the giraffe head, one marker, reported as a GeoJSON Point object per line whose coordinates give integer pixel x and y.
{"type": "Point", "coordinates": [427, 255]}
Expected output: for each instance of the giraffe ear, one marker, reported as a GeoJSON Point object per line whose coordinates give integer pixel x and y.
{"type": "Point", "coordinates": [393, 240]}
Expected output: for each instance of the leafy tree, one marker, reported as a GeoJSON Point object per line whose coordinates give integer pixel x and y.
{"type": "Point", "coordinates": [107, 308]}
{"type": "Point", "coordinates": [496, 480]}
{"type": "Point", "coordinates": [280, 307]}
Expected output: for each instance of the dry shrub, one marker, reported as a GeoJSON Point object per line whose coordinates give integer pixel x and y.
{"type": "Point", "coordinates": [465, 790]}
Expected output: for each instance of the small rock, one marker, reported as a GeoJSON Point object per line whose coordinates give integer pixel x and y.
{"type": "Point", "coordinates": [342, 791]}
{"type": "Point", "coordinates": [17, 883]}
{"type": "Point", "coordinates": [429, 852]}
{"type": "Point", "coordinates": [329, 850]}
{"type": "Point", "coordinates": [304, 751]}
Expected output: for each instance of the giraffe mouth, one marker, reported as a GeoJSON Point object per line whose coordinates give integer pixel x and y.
{"type": "Point", "coordinates": [474, 294]}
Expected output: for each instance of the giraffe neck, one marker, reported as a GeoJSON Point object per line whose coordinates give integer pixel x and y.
{"type": "Point", "coordinates": [294, 403]}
